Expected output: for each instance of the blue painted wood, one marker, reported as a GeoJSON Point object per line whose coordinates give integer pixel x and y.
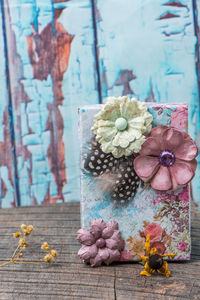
{"type": "Point", "coordinates": [46, 126]}
{"type": "Point", "coordinates": [196, 15]}
{"type": "Point", "coordinates": [7, 179]}
{"type": "Point", "coordinates": [147, 49]}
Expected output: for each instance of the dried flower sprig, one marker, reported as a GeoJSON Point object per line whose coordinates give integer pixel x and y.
{"type": "Point", "coordinates": [22, 235]}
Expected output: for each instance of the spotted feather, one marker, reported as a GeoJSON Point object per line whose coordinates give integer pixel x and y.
{"type": "Point", "coordinates": [102, 165]}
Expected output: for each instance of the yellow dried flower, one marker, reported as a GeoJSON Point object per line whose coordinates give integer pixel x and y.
{"type": "Point", "coordinates": [23, 227]}
{"type": "Point", "coordinates": [23, 248]}
{"type": "Point", "coordinates": [26, 232]}
{"type": "Point", "coordinates": [30, 228]}
{"type": "Point", "coordinates": [17, 234]}
{"type": "Point", "coordinates": [153, 262]}
{"type": "Point", "coordinates": [20, 255]}
{"type": "Point", "coordinates": [22, 242]}
{"type": "Point", "coordinates": [45, 246]}
{"type": "Point", "coordinates": [48, 258]}
{"type": "Point", "coordinates": [54, 253]}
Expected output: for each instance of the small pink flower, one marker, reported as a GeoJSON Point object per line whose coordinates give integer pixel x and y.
{"type": "Point", "coordinates": [183, 196]}
{"type": "Point", "coordinates": [167, 159]}
{"type": "Point", "coordinates": [182, 246]}
{"type": "Point", "coordinates": [154, 230]}
{"type": "Point", "coordinates": [180, 118]}
{"type": "Point", "coordinates": [103, 243]}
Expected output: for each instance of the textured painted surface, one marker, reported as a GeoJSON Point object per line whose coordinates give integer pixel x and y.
{"type": "Point", "coordinates": [49, 57]}
{"type": "Point", "coordinates": [7, 181]}
{"type": "Point", "coordinates": [148, 50]}
{"type": "Point", "coordinates": [168, 211]}
{"type": "Point", "coordinates": [67, 53]}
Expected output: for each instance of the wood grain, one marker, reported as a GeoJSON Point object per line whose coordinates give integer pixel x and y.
{"type": "Point", "coordinates": [71, 279]}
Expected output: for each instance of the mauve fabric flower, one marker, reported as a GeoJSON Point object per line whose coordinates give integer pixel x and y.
{"type": "Point", "coordinates": [167, 159]}
{"type": "Point", "coordinates": [103, 243]}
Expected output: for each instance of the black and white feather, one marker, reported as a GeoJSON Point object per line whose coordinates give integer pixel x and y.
{"type": "Point", "coordinates": [115, 176]}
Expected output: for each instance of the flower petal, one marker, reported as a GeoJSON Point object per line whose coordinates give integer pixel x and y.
{"type": "Point", "coordinates": [106, 147]}
{"type": "Point", "coordinates": [123, 143]}
{"type": "Point", "coordinates": [114, 255]}
{"type": "Point", "coordinates": [175, 184]}
{"type": "Point", "coordinates": [85, 237]}
{"type": "Point", "coordinates": [134, 134]}
{"type": "Point", "coordinates": [182, 172]}
{"type": "Point", "coordinates": [109, 230]}
{"type": "Point", "coordinates": [116, 140]}
{"type": "Point", "coordinates": [162, 180]}
{"type": "Point", "coordinates": [172, 138]}
{"type": "Point", "coordinates": [136, 123]}
{"type": "Point", "coordinates": [84, 253]}
{"type": "Point", "coordinates": [107, 133]}
{"type": "Point", "coordinates": [128, 108]}
{"type": "Point", "coordinates": [187, 150]}
{"type": "Point", "coordinates": [103, 253]}
{"type": "Point", "coordinates": [151, 147]}
{"type": "Point", "coordinates": [158, 131]}
{"type": "Point", "coordinates": [97, 226]}
{"type": "Point", "coordinates": [115, 242]}
{"type": "Point", "coordinates": [96, 261]}
{"type": "Point", "coordinates": [145, 166]}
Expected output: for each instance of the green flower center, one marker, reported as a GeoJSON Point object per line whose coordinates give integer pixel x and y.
{"type": "Point", "coordinates": [121, 124]}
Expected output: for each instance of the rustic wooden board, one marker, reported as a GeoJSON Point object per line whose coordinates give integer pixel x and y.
{"type": "Point", "coordinates": [71, 279]}
{"type": "Point", "coordinates": [52, 72]}
{"type": "Point", "coordinates": [7, 166]}
{"type": "Point", "coordinates": [148, 49]}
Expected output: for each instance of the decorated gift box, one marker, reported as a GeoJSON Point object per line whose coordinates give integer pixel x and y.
{"type": "Point", "coordinates": [136, 164]}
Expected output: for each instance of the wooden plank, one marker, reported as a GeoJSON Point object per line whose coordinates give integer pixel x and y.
{"type": "Point", "coordinates": [7, 166]}
{"type": "Point", "coordinates": [52, 70]}
{"type": "Point", "coordinates": [148, 50]}
{"type": "Point", "coordinates": [69, 278]}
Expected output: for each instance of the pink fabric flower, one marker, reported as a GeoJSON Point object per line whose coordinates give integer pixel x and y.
{"type": "Point", "coordinates": [167, 159]}
{"type": "Point", "coordinates": [180, 118]}
{"type": "Point", "coordinates": [154, 230]}
{"type": "Point", "coordinates": [103, 243]}
{"type": "Point", "coordinates": [182, 246]}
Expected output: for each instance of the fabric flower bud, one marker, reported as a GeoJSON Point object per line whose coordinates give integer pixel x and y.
{"type": "Point", "coordinates": [85, 237]}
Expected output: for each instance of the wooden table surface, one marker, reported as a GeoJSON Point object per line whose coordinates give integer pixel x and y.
{"type": "Point", "coordinates": [71, 279]}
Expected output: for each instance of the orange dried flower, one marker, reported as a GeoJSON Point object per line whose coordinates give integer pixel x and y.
{"type": "Point", "coordinates": [17, 234]}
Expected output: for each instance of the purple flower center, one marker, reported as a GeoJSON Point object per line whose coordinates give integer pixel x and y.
{"type": "Point", "coordinates": [100, 243]}
{"type": "Point", "coordinates": [166, 158]}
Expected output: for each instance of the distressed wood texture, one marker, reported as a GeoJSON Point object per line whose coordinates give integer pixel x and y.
{"type": "Point", "coordinates": [71, 279]}
{"type": "Point", "coordinates": [52, 72]}
{"type": "Point", "coordinates": [148, 49]}
{"type": "Point", "coordinates": [7, 167]}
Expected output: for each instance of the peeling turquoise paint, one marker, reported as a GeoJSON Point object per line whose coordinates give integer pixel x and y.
{"type": "Point", "coordinates": [155, 41]}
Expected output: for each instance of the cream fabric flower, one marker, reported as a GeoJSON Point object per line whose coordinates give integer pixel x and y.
{"type": "Point", "coordinates": [121, 125]}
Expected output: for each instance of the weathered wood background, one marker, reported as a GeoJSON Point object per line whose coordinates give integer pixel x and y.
{"type": "Point", "coordinates": [70, 278]}
{"type": "Point", "coordinates": [56, 55]}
